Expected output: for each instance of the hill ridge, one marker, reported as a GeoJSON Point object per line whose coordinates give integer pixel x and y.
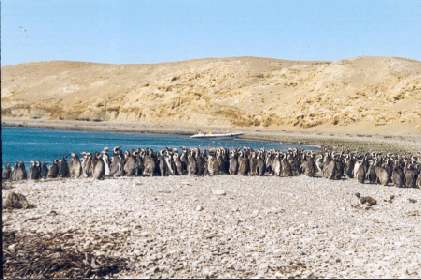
{"type": "Point", "coordinates": [378, 94]}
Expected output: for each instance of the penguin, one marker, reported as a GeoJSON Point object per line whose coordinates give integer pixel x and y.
{"type": "Point", "coordinates": [53, 170]}
{"type": "Point", "coordinates": [44, 170]}
{"type": "Point", "coordinates": [286, 166]}
{"type": "Point", "coordinates": [149, 164]}
{"type": "Point", "coordinates": [357, 164]}
{"type": "Point", "coordinates": [398, 178]}
{"type": "Point", "coordinates": [410, 176]}
{"type": "Point", "coordinates": [276, 164]}
{"type": "Point", "coordinates": [418, 184]}
{"type": "Point", "coordinates": [294, 162]}
{"type": "Point", "coordinates": [178, 165]}
{"type": "Point", "coordinates": [63, 168]}
{"type": "Point", "coordinates": [169, 163]}
{"type": "Point", "coordinates": [138, 161]}
{"type": "Point", "coordinates": [349, 166]}
{"type": "Point", "coordinates": [382, 173]}
{"type": "Point", "coordinates": [86, 164]}
{"type": "Point", "coordinates": [330, 169]}
{"type": "Point", "coordinates": [7, 172]}
{"type": "Point", "coordinates": [35, 170]}
{"type": "Point", "coordinates": [200, 163]}
{"type": "Point", "coordinates": [319, 165]}
{"type": "Point", "coordinates": [98, 167]}
{"type": "Point", "coordinates": [212, 164]}
{"type": "Point", "coordinates": [339, 167]}
{"type": "Point", "coordinates": [117, 162]}
{"type": "Point", "coordinates": [361, 172]}
{"type": "Point", "coordinates": [106, 160]}
{"type": "Point", "coordinates": [253, 163]}
{"type": "Point", "coordinates": [243, 164]}
{"type": "Point", "coordinates": [268, 162]}
{"type": "Point", "coordinates": [129, 168]}
{"type": "Point", "coordinates": [225, 161]}
{"type": "Point", "coordinates": [75, 167]}
{"type": "Point", "coordinates": [309, 166]}
{"type": "Point", "coordinates": [162, 164]}
{"type": "Point", "coordinates": [371, 173]}
{"type": "Point", "coordinates": [191, 163]}
{"type": "Point", "coordinates": [19, 171]}
{"type": "Point", "coordinates": [184, 161]}
{"type": "Point", "coordinates": [233, 162]}
{"type": "Point", "coordinates": [366, 199]}
{"type": "Point", "coordinates": [261, 164]}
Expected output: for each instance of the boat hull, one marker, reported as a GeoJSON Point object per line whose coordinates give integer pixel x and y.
{"type": "Point", "coordinates": [212, 136]}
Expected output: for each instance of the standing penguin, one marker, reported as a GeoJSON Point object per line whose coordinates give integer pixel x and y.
{"type": "Point", "coordinates": [276, 164]}
{"type": "Point", "coordinates": [261, 163]}
{"type": "Point", "coordinates": [382, 173]}
{"type": "Point", "coordinates": [410, 176]}
{"type": "Point", "coordinates": [184, 161]}
{"type": "Point", "coordinates": [286, 166]}
{"type": "Point", "coordinates": [191, 163]}
{"type": "Point", "coordinates": [7, 172]}
{"type": "Point", "coordinates": [19, 172]}
{"type": "Point", "coordinates": [87, 164]}
{"type": "Point", "coordinates": [233, 162]}
{"type": "Point", "coordinates": [137, 154]}
{"type": "Point", "coordinates": [200, 162]}
{"type": "Point", "coordinates": [361, 173]}
{"type": "Point", "coordinates": [117, 162]}
{"type": "Point", "coordinates": [243, 164]}
{"type": "Point", "coordinates": [349, 165]}
{"type": "Point", "coordinates": [268, 162]}
{"type": "Point", "coordinates": [178, 164]}
{"type": "Point", "coordinates": [129, 168]}
{"type": "Point", "coordinates": [35, 170]}
{"type": "Point", "coordinates": [418, 184]}
{"type": "Point", "coordinates": [162, 164]}
{"type": "Point", "coordinates": [371, 173]}
{"type": "Point", "coordinates": [309, 166]}
{"type": "Point", "coordinates": [44, 170]}
{"type": "Point", "coordinates": [398, 177]}
{"type": "Point", "coordinates": [75, 167]}
{"type": "Point", "coordinates": [63, 168]}
{"type": "Point", "coordinates": [106, 160]}
{"type": "Point", "coordinates": [53, 170]}
{"type": "Point", "coordinates": [150, 165]}
{"type": "Point", "coordinates": [98, 168]}
{"type": "Point", "coordinates": [253, 163]}
{"type": "Point", "coordinates": [213, 164]}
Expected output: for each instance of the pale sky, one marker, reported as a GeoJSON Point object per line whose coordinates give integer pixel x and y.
{"type": "Point", "coordinates": [152, 31]}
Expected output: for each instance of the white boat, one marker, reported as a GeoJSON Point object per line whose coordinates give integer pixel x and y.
{"type": "Point", "coordinates": [216, 135]}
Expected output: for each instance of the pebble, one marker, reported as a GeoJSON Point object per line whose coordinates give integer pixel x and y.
{"type": "Point", "coordinates": [301, 222]}
{"type": "Point", "coordinates": [219, 192]}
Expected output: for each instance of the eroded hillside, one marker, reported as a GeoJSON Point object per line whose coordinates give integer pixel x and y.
{"type": "Point", "coordinates": [380, 94]}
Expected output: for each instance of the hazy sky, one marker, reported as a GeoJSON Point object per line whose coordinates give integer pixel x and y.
{"type": "Point", "coordinates": [141, 31]}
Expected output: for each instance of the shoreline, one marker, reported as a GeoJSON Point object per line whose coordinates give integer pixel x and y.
{"type": "Point", "coordinates": [388, 143]}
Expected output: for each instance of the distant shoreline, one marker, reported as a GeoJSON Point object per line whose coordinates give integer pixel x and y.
{"type": "Point", "coordinates": [336, 140]}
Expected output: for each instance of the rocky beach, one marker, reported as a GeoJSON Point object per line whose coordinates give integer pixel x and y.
{"type": "Point", "coordinates": [212, 227]}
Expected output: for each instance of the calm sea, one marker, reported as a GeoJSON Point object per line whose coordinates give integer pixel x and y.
{"type": "Point", "coordinates": [48, 144]}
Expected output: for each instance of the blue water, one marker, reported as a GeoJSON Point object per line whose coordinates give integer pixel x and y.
{"type": "Point", "coordinates": [48, 144]}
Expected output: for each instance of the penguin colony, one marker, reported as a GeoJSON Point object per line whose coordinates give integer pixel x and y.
{"type": "Point", "coordinates": [373, 168]}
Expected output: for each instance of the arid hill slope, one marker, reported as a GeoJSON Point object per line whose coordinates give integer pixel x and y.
{"type": "Point", "coordinates": [375, 94]}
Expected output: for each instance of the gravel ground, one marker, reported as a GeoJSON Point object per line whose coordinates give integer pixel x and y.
{"type": "Point", "coordinates": [231, 226]}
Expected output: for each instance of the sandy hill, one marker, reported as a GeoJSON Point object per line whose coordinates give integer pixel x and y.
{"type": "Point", "coordinates": [374, 94]}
